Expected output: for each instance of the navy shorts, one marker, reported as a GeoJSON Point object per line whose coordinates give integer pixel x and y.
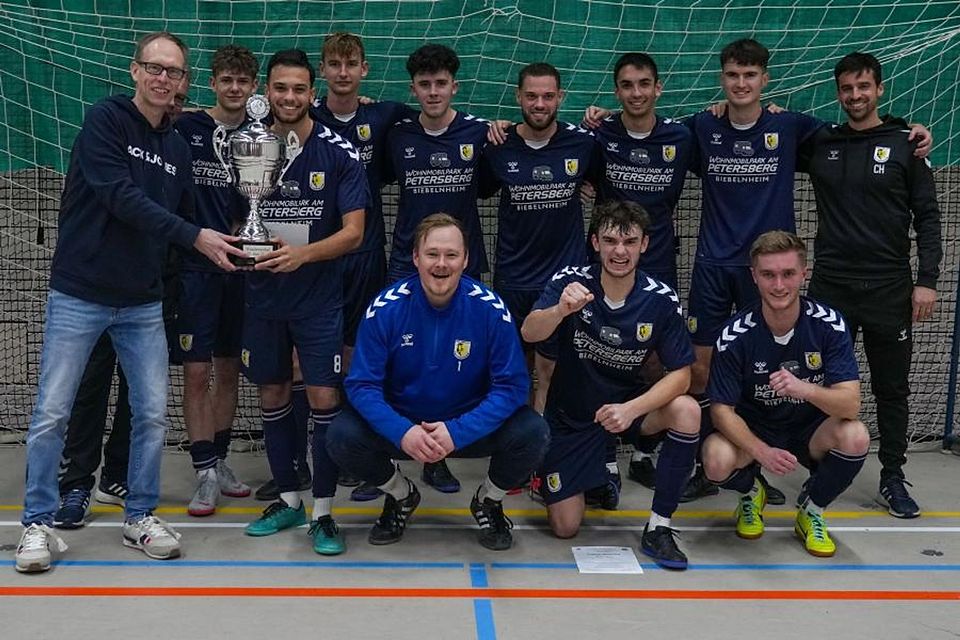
{"type": "Point", "coordinates": [796, 441]}
{"type": "Point", "coordinates": [364, 276]}
{"type": "Point", "coordinates": [210, 317]}
{"type": "Point", "coordinates": [520, 303]}
{"type": "Point", "coordinates": [714, 291]}
{"type": "Point", "coordinates": [268, 344]}
{"type": "Point", "coordinates": [576, 461]}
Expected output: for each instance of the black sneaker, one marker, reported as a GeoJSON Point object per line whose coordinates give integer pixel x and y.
{"type": "Point", "coordinates": [393, 519]}
{"type": "Point", "coordinates": [661, 545]}
{"type": "Point", "coordinates": [494, 525]}
{"type": "Point", "coordinates": [438, 476]}
{"type": "Point", "coordinates": [644, 472]}
{"type": "Point", "coordinates": [112, 492]}
{"type": "Point", "coordinates": [606, 497]}
{"type": "Point", "coordinates": [774, 495]}
{"type": "Point", "coordinates": [74, 506]}
{"type": "Point", "coordinates": [895, 497]}
{"type": "Point", "coordinates": [365, 493]}
{"type": "Point", "coordinates": [269, 492]}
{"type": "Point", "coordinates": [698, 487]}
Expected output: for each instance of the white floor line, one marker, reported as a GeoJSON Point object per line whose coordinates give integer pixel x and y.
{"type": "Point", "coordinates": [525, 527]}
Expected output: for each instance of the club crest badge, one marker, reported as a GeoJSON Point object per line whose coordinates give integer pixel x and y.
{"type": "Point", "coordinates": [644, 331]}
{"type": "Point", "coordinates": [186, 341]}
{"type": "Point", "coordinates": [881, 154]}
{"type": "Point", "coordinates": [553, 482]}
{"type": "Point", "coordinates": [669, 152]}
{"type": "Point", "coordinates": [364, 132]}
{"type": "Point", "coordinates": [771, 141]}
{"type": "Point", "coordinates": [317, 180]}
{"type": "Point", "coordinates": [245, 357]}
{"type": "Point", "coordinates": [572, 165]}
{"type": "Point", "coordinates": [692, 324]}
{"type": "Point", "coordinates": [813, 360]}
{"type": "Point", "coordinates": [466, 152]}
{"type": "Point", "coordinates": [461, 349]}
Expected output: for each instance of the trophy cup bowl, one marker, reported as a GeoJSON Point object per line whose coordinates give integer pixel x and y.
{"type": "Point", "coordinates": [255, 159]}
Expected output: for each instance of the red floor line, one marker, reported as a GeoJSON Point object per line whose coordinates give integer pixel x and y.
{"type": "Point", "coordinates": [470, 593]}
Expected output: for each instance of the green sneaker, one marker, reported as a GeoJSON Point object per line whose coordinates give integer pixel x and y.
{"type": "Point", "coordinates": [327, 537]}
{"type": "Point", "coordinates": [276, 517]}
{"type": "Point", "coordinates": [812, 529]}
{"type": "Point", "coordinates": [749, 513]}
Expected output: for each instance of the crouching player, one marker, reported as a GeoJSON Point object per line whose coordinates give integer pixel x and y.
{"type": "Point", "coordinates": [610, 318]}
{"type": "Point", "coordinates": [785, 389]}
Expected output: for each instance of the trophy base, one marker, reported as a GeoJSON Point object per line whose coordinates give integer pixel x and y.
{"type": "Point", "coordinates": [254, 249]}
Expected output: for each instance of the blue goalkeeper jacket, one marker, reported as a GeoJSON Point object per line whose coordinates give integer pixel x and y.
{"type": "Point", "coordinates": [413, 363]}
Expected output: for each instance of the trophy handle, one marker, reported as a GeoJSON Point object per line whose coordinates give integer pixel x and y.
{"type": "Point", "coordinates": [221, 149]}
{"type": "Point", "coordinates": [292, 150]}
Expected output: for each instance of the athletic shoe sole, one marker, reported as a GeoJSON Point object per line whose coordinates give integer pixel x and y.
{"type": "Point", "coordinates": [675, 565]}
{"type": "Point", "coordinates": [133, 544]}
{"type": "Point", "coordinates": [108, 498]}
{"type": "Point", "coordinates": [896, 514]}
{"type": "Point", "coordinates": [201, 513]}
{"type": "Point", "coordinates": [803, 540]}
{"type": "Point", "coordinates": [33, 567]}
{"type": "Point", "coordinates": [235, 494]}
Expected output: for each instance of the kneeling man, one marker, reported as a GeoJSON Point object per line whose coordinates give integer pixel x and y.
{"type": "Point", "coordinates": [609, 319]}
{"type": "Point", "coordinates": [785, 390]}
{"type": "Point", "coordinates": [438, 372]}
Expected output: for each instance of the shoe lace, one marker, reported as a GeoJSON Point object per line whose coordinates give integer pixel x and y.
{"type": "Point", "coordinates": [896, 487]}
{"type": "Point", "coordinates": [325, 524]}
{"type": "Point", "coordinates": [274, 508]}
{"type": "Point", "coordinates": [76, 498]}
{"type": "Point", "coordinates": [666, 537]}
{"type": "Point", "coordinates": [818, 527]}
{"type": "Point", "coordinates": [155, 528]}
{"type": "Point", "coordinates": [35, 538]}
{"type": "Point", "coordinates": [748, 509]}
{"type": "Point", "coordinates": [497, 520]}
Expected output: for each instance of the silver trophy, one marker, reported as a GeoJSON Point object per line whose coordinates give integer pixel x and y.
{"type": "Point", "coordinates": [255, 159]}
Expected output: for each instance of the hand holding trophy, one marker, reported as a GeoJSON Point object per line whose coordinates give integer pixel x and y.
{"type": "Point", "coordinates": [255, 159]}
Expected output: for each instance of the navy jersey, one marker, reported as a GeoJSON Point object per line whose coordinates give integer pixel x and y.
{"type": "Point", "coordinates": [367, 131]}
{"type": "Point", "coordinates": [461, 364]}
{"type": "Point", "coordinates": [437, 173]}
{"type": "Point", "coordinates": [747, 180]}
{"type": "Point", "coordinates": [649, 171]}
{"type": "Point", "coordinates": [219, 206]}
{"type": "Point", "coordinates": [602, 350]}
{"type": "Point", "coordinates": [540, 214]}
{"type": "Point", "coordinates": [820, 351]}
{"type": "Point", "coordinates": [324, 182]}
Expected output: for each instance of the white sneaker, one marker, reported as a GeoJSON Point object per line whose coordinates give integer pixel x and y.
{"type": "Point", "coordinates": [33, 552]}
{"type": "Point", "coordinates": [153, 536]}
{"type": "Point", "coordinates": [204, 501]}
{"type": "Point", "coordinates": [229, 485]}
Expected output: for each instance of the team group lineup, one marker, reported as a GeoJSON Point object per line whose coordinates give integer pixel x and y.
{"type": "Point", "coordinates": [415, 358]}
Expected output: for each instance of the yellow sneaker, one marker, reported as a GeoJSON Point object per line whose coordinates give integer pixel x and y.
{"type": "Point", "coordinates": [812, 529]}
{"type": "Point", "coordinates": [749, 513]}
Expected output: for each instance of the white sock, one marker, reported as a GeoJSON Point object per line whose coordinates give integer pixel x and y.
{"type": "Point", "coordinates": [490, 490]}
{"type": "Point", "coordinates": [292, 498]}
{"type": "Point", "coordinates": [322, 507]}
{"type": "Point", "coordinates": [397, 486]}
{"type": "Point", "coordinates": [657, 520]}
{"type": "Point", "coordinates": [638, 455]}
{"type": "Point", "coordinates": [613, 468]}
{"type": "Point", "coordinates": [812, 508]}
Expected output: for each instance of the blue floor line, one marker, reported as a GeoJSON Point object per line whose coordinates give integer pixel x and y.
{"type": "Point", "coordinates": [482, 609]}
{"type": "Point", "coordinates": [242, 564]}
{"type": "Point", "coordinates": [570, 566]}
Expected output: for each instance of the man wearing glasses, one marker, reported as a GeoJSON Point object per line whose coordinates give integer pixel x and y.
{"type": "Point", "coordinates": [126, 194]}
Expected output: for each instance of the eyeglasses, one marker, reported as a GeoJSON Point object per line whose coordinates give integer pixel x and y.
{"type": "Point", "coordinates": [154, 69]}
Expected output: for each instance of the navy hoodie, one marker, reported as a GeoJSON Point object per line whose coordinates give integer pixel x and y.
{"type": "Point", "coordinates": [126, 184]}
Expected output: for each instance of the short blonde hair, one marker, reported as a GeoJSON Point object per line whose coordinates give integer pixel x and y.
{"type": "Point", "coordinates": [436, 221]}
{"type": "Point", "coordinates": [777, 241]}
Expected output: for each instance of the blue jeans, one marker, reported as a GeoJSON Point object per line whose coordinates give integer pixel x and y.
{"type": "Point", "coordinates": [73, 327]}
{"type": "Point", "coordinates": [516, 448]}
